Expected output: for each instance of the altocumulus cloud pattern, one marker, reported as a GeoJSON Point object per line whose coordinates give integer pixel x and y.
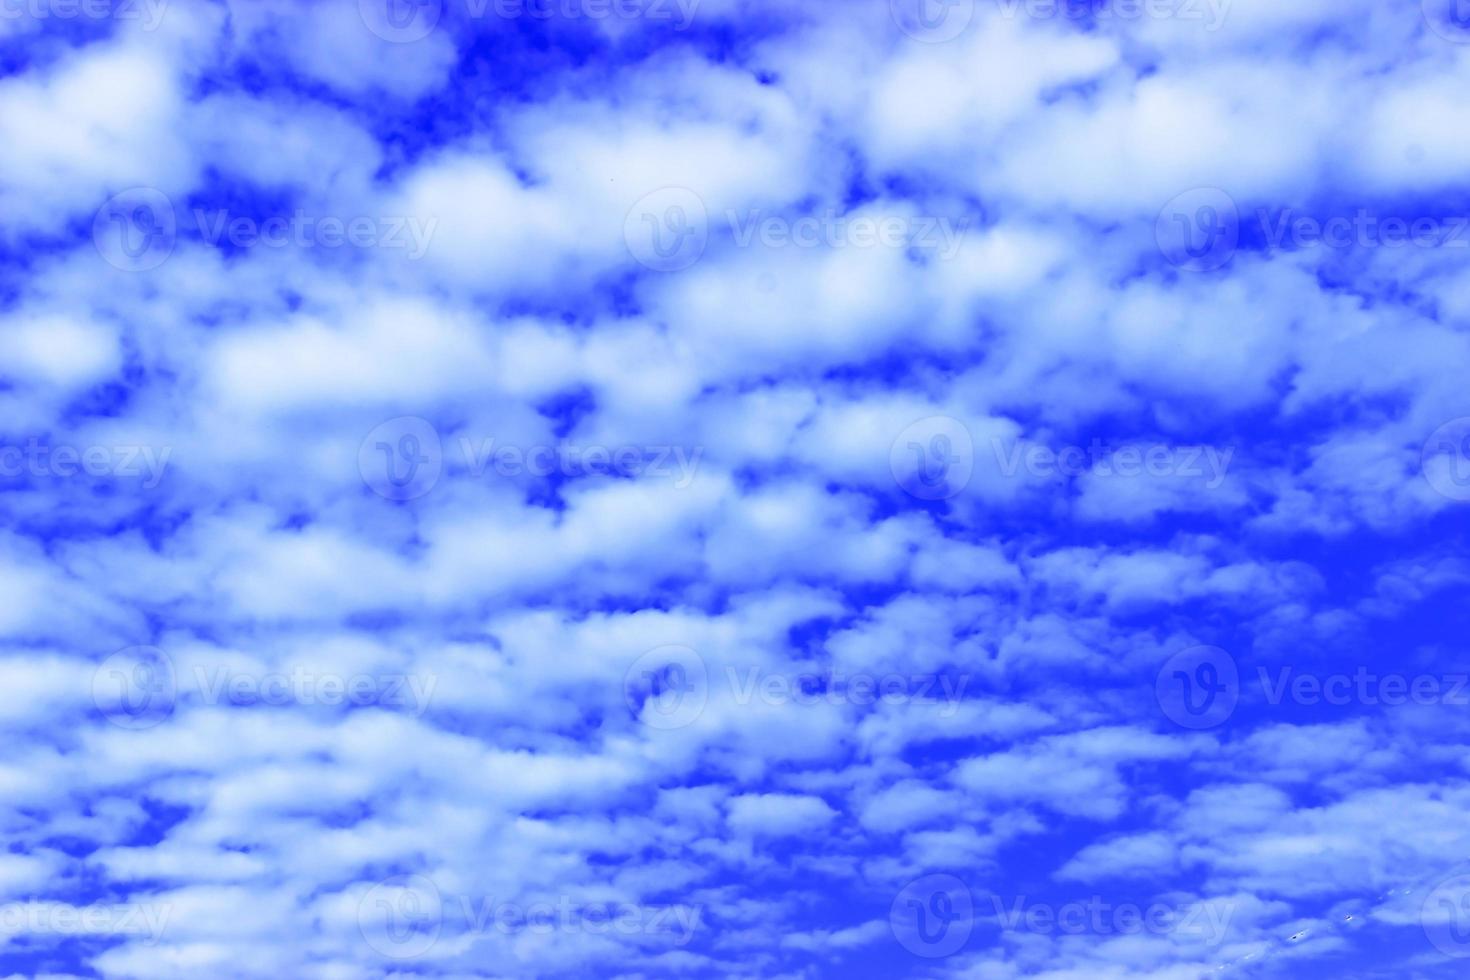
{"type": "Point", "coordinates": [735, 489]}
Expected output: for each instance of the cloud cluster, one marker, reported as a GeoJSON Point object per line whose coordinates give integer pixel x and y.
{"type": "Point", "coordinates": [729, 488]}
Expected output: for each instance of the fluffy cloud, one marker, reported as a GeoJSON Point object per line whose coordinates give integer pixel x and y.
{"type": "Point", "coordinates": [721, 489]}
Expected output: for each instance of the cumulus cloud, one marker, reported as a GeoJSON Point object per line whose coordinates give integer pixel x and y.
{"type": "Point", "coordinates": [734, 489]}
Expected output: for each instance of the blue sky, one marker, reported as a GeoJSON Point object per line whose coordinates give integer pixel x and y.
{"type": "Point", "coordinates": [730, 488]}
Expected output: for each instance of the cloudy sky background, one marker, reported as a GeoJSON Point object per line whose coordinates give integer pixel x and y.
{"type": "Point", "coordinates": [657, 488]}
